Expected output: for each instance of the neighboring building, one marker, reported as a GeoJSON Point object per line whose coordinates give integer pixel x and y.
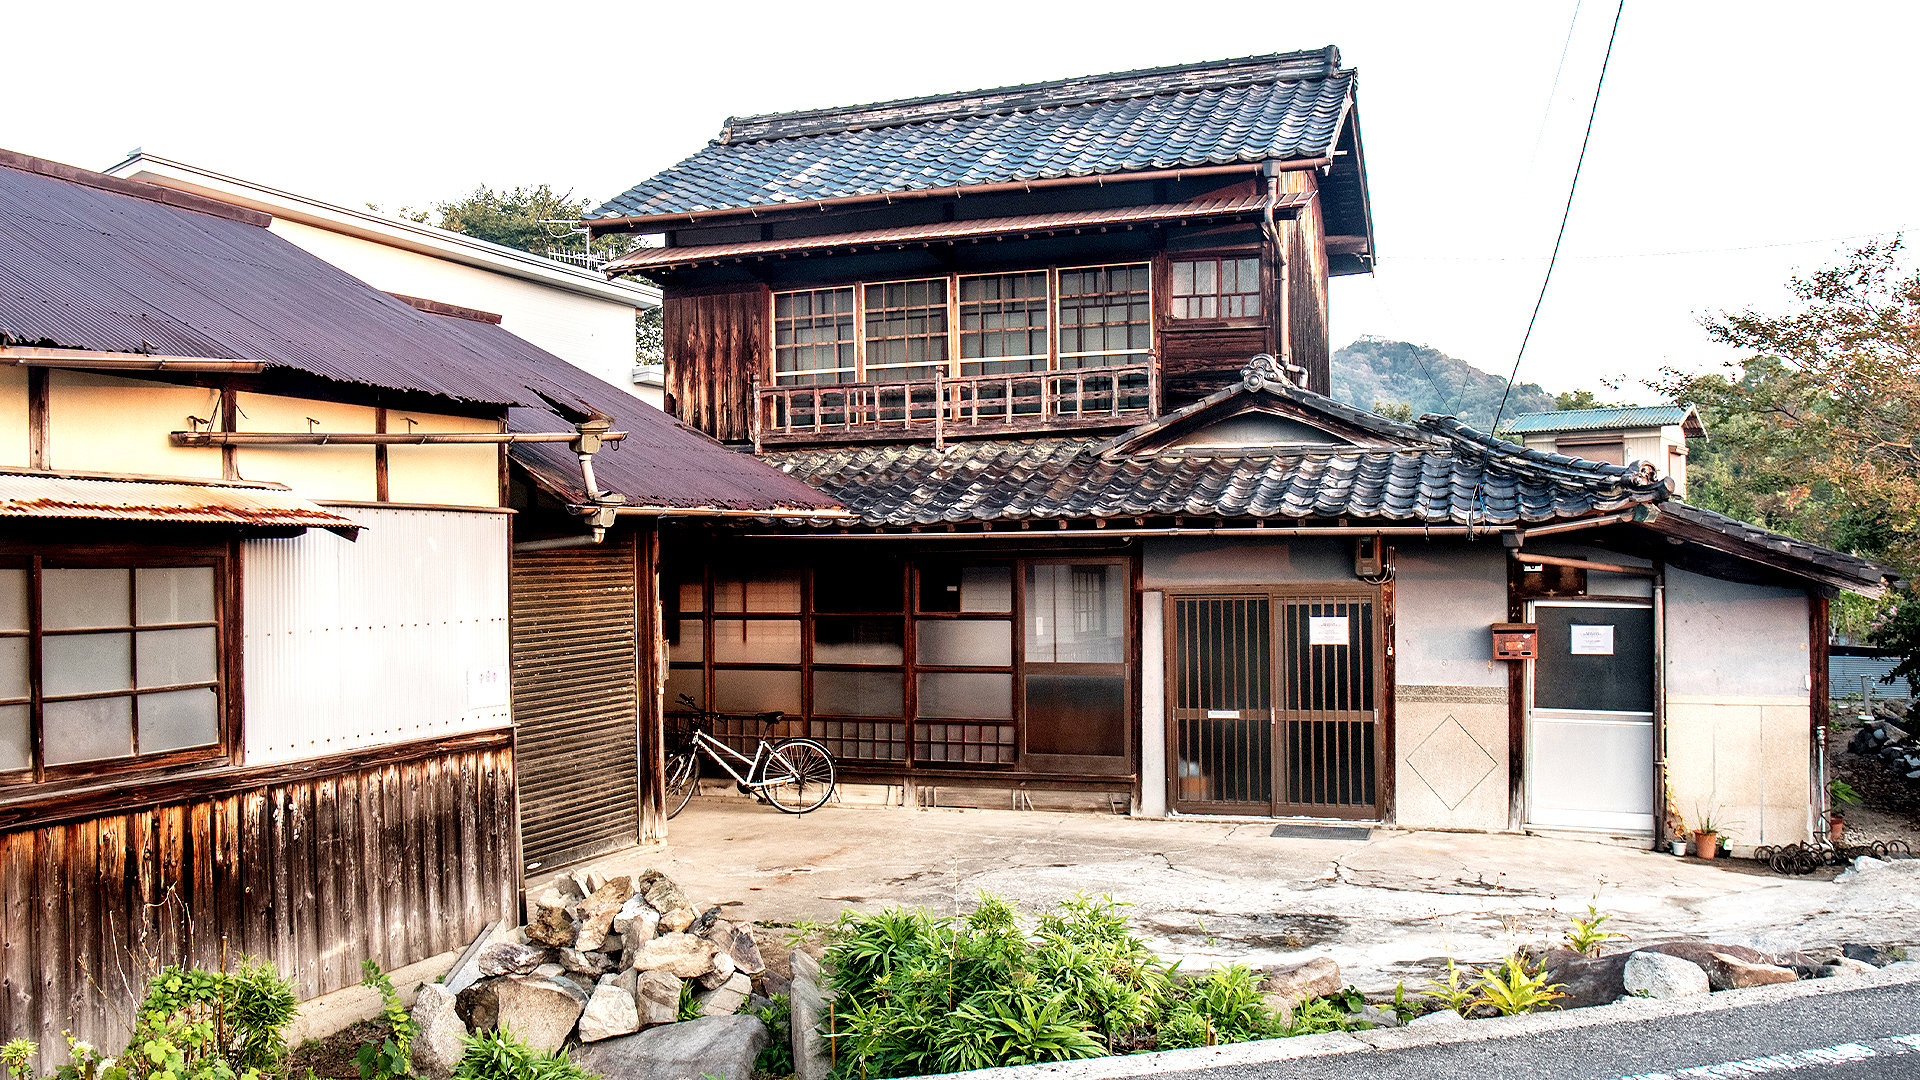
{"type": "Point", "coordinates": [261, 603]}
{"type": "Point", "coordinates": [570, 311]}
{"type": "Point", "coordinates": [1062, 350]}
{"type": "Point", "coordinates": [1655, 434]}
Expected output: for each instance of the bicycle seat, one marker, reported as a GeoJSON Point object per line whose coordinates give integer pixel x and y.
{"type": "Point", "coordinates": [769, 717]}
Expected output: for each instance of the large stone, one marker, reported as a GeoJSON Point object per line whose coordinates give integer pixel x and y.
{"type": "Point", "coordinates": [552, 923]}
{"type": "Point", "coordinates": [1432, 1019]}
{"type": "Point", "coordinates": [1726, 972]}
{"type": "Point", "coordinates": [610, 1011]}
{"type": "Point", "coordinates": [676, 911]}
{"type": "Point", "coordinates": [737, 940]}
{"type": "Point", "coordinates": [722, 972]}
{"type": "Point", "coordinates": [723, 1047]}
{"type": "Point", "coordinates": [597, 912]}
{"type": "Point", "coordinates": [541, 1012]}
{"type": "Point", "coordinates": [478, 1006]}
{"type": "Point", "coordinates": [726, 999]}
{"type": "Point", "coordinates": [656, 994]}
{"type": "Point", "coordinates": [636, 922]}
{"type": "Point", "coordinates": [512, 958]}
{"type": "Point", "coordinates": [1296, 983]}
{"type": "Point", "coordinates": [438, 1032]}
{"type": "Point", "coordinates": [1585, 981]}
{"type": "Point", "coordinates": [807, 1002]}
{"type": "Point", "coordinates": [594, 964]}
{"type": "Point", "coordinates": [1659, 975]}
{"type": "Point", "coordinates": [681, 955]}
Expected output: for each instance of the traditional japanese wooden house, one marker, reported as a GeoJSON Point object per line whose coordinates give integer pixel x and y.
{"type": "Point", "coordinates": [264, 625]}
{"type": "Point", "coordinates": [1062, 349]}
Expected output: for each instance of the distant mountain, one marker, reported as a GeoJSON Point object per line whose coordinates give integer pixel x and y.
{"type": "Point", "coordinates": [1398, 372]}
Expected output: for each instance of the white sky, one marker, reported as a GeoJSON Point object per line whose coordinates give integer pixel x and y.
{"type": "Point", "coordinates": [1736, 143]}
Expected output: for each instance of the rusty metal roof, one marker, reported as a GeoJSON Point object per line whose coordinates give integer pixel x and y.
{"type": "Point", "coordinates": [1285, 204]}
{"type": "Point", "coordinates": [168, 501]}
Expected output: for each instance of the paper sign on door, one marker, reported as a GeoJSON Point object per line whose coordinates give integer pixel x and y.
{"type": "Point", "coordinates": [1330, 630]}
{"type": "Point", "coordinates": [1592, 640]}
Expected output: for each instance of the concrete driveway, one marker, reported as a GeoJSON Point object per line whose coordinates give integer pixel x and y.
{"type": "Point", "coordinates": [1387, 907]}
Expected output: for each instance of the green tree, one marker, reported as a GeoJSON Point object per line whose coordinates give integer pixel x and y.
{"type": "Point", "coordinates": [1816, 430]}
{"type": "Point", "coordinates": [533, 218]}
{"type": "Point", "coordinates": [1579, 399]}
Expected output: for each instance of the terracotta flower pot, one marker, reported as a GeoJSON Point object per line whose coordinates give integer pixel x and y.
{"type": "Point", "coordinates": [1835, 826]}
{"type": "Point", "coordinates": [1706, 844]}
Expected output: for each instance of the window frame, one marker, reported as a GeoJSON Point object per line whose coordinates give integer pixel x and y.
{"type": "Point", "coordinates": [1261, 291]}
{"type": "Point", "coordinates": [37, 558]}
{"type": "Point", "coordinates": [1054, 359]}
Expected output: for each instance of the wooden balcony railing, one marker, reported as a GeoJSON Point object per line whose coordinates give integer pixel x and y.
{"type": "Point", "coordinates": [944, 406]}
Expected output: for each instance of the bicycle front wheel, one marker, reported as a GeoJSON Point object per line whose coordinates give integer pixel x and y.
{"type": "Point", "coordinates": [683, 777]}
{"type": "Point", "coordinates": [800, 776]}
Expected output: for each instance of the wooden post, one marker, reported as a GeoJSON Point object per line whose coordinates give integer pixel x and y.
{"type": "Point", "coordinates": [1153, 386]}
{"type": "Point", "coordinates": [939, 410]}
{"type": "Point", "coordinates": [753, 413]}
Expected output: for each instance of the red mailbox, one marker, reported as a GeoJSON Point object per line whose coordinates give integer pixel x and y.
{"type": "Point", "coordinates": [1516, 641]}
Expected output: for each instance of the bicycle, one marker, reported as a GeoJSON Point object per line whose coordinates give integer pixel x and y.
{"type": "Point", "coordinates": [793, 775]}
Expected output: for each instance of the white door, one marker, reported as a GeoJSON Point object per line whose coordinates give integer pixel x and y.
{"type": "Point", "coordinates": [1590, 717]}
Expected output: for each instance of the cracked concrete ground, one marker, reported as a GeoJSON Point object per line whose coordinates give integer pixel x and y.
{"type": "Point", "coordinates": [1387, 908]}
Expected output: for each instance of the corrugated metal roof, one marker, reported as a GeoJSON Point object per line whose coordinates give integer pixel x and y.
{"type": "Point", "coordinates": [1631, 416]}
{"type": "Point", "coordinates": [1278, 107]}
{"type": "Point", "coordinates": [949, 231]}
{"type": "Point", "coordinates": [176, 502]}
{"type": "Point", "coordinates": [106, 268]}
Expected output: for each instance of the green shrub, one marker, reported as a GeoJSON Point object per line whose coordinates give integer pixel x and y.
{"type": "Point", "coordinates": [497, 1055]}
{"type": "Point", "coordinates": [207, 1025]}
{"type": "Point", "coordinates": [1223, 1007]}
{"type": "Point", "coordinates": [391, 1057]}
{"type": "Point", "coordinates": [1511, 988]}
{"type": "Point", "coordinates": [777, 1058]}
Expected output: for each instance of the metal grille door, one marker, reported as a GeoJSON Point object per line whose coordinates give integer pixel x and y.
{"type": "Point", "coordinates": [574, 682]}
{"type": "Point", "coordinates": [1275, 704]}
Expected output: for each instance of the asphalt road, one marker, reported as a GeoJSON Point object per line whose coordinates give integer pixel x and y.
{"type": "Point", "coordinates": [1865, 1034]}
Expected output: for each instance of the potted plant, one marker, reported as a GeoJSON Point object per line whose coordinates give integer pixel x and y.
{"type": "Point", "coordinates": [1839, 794]}
{"type": "Point", "coordinates": [1706, 837]}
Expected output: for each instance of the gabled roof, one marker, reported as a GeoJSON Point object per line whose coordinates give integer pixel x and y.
{"type": "Point", "coordinates": [92, 262]}
{"type": "Point", "coordinates": [1278, 107]}
{"type": "Point", "coordinates": [1626, 416]}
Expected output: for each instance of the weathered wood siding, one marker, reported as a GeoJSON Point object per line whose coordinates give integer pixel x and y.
{"type": "Point", "coordinates": [716, 341]}
{"type": "Point", "coordinates": [314, 866]}
{"type": "Point", "coordinates": [1303, 244]}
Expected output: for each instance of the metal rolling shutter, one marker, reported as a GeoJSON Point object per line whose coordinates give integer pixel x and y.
{"type": "Point", "coordinates": [574, 701]}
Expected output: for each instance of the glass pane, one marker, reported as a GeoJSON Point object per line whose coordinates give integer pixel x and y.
{"type": "Point", "coordinates": [81, 599]}
{"type": "Point", "coordinates": [757, 641]}
{"type": "Point", "coordinates": [756, 692]}
{"type": "Point", "coordinates": [691, 643]}
{"type": "Point", "coordinates": [965, 643]}
{"type": "Point", "coordinates": [869, 585]}
{"type": "Point", "coordinates": [86, 663]}
{"type": "Point", "coordinates": [178, 719]}
{"type": "Point", "coordinates": [758, 591]}
{"type": "Point", "coordinates": [859, 693]}
{"type": "Point", "coordinates": [685, 680]}
{"type": "Point", "coordinates": [16, 738]}
{"type": "Point", "coordinates": [13, 667]}
{"type": "Point", "coordinates": [945, 587]}
{"type": "Point", "coordinates": [1076, 614]}
{"type": "Point", "coordinates": [959, 695]}
{"type": "Point", "coordinates": [1077, 714]}
{"type": "Point", "coordinates": [1183, 278]}
{"type": "Point", "coordinates": [88, 730]}
{"type": "Point", "coordinates": [1594, 658]}
{"type": "Point", "coordinates": [13, 598]}
{"type": "Point", "coordinates": [175, 657]}
{"type": "Point", "coordinates": [172, 594]}
{"type": "Point", "coordinates": [851, 640]}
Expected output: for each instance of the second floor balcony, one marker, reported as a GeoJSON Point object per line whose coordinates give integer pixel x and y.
{"type": "Point", "coordinates": [946, 406]}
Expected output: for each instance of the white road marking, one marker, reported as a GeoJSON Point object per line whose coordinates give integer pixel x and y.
{"type": "Point", "coordinates": [1793, 1059]}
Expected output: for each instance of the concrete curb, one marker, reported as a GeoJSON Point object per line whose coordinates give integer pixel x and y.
{"type": "Point", "coordinates": [1340, 1042]}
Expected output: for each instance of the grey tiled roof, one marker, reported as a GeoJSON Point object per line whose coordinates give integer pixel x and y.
{"type": "Point", "coordinates": [1282, 106]}
{"type": "Point", "coordinates": [1632, 416]}
{"type": "Point", "coordinates": [1466, 482]}
{"type": "Point", "coordinates": [1781, 545]}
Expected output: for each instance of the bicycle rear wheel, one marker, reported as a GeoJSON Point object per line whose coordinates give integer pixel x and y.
{"type": "Point", "coordinates": [800, 776]}
{"type": "Point", "coordinates": [683, 777]}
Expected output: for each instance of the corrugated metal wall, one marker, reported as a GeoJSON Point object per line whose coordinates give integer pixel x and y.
{"type": "Point", "coordinates": [401, 635]}
{"type": "Point", "coordinates": [393, 856]}
{"type": "Point", "coordinates": [575, 682]}
{"type": "Point", "coordinates": [1843, 676]}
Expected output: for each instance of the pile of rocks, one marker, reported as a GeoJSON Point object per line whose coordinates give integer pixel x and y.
{"type": "Point", "coordinates": [1685, 968]}
{"type": "Point", "coordinates": [1887, 740]}
{"type": "Point", "coordinates": [605, 960]}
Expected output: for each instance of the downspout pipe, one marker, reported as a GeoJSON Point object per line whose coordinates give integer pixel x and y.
{"type": "Point", "coordinates": [1660, 770]}
{"type": "Point", "coordinates": [602, 506]}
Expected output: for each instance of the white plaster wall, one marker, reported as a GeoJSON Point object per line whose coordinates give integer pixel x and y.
{"type": "Point", "coordinates": [104, 423]}
{"type": "Point", "coordinates": [594, 335]}
{"type": "Point", "coordinates": [1199, 561]}
{"type": "Point", "coordinates": [13, 416]}
{"type": "Point", "coordinates": [442, 475]}
{"type": "Point", "coordinates": [1739, 707]}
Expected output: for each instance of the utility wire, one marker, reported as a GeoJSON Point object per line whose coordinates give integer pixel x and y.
{"type": "Point", "coordinates": [1554, 90]}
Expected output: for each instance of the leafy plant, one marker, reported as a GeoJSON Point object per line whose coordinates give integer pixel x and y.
{"type": "Point", "coordinates": [1227, 1007]}
{"type": "Point", "coordinates": [1586, 937]}
{"type": "Point", "coordinates": [776, 1059]}
{"type": "Point", "coordinates": [392, 1056]}
{"type": "Point", "coordinates": [14, 1056]}
{"type": "Point", "coordinates": [1706, 822]}
{"type": "Point", "coordinates": [1317, 1016]}
{"type": "Point", "coordinates": [498, 1055]}
{"type": "Point", "coordinates": [1455, 991]}
{"type": "Point", "coordinates": [1512, 987]}
{"type": "Point", "coordinates": [1842, 793]}
{"type": "Point", "coordinates": [204, 1025]}
{"type": "Point", "coordinates": [688, 1008]}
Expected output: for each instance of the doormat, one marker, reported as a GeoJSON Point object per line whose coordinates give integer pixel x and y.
{"type": "Point", "coordinates": [1323, 832]}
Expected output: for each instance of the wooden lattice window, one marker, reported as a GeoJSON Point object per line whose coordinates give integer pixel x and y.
{"type": "Point", "coordinates": [906, 330]}
{"type": "Point", "coordinates": [1003, 323]}
{"type": "Point", "coordinates": [813, 337]}
{"type": "Point", "coordinates": [1106, 316]}
{"type": "Point", "coordinates": [1214, 288]}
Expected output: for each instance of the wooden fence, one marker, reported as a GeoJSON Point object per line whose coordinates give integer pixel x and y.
{"type": "Point", "coordinates": [392, 855]}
